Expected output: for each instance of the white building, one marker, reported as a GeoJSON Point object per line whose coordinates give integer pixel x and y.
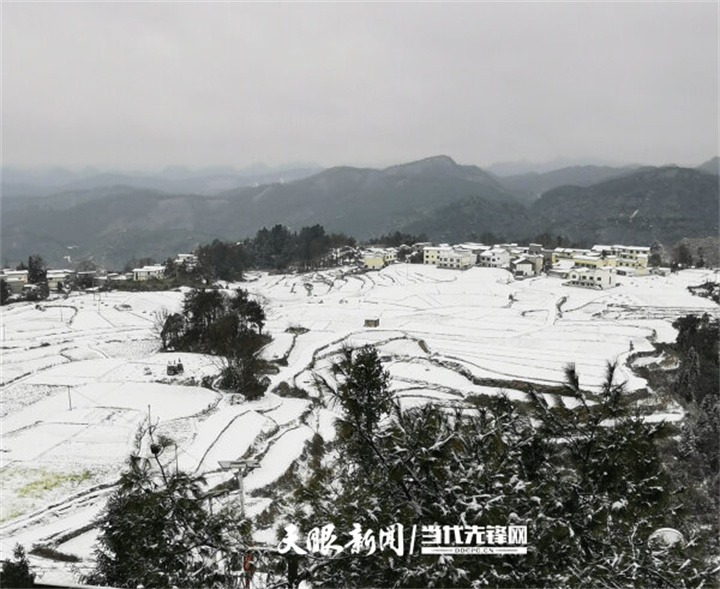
{"type": "Point", "coordinates": [523, 267]}
{"type": "Point", "coordinates": [561, 268]}
{"type": "Point", "coordinates": [494, 258]}
{"type": "Point", "coordinates": [600, 278]}
{"type": "Point", "coordinates": [377, 258]}
{"type": "Point", "coordinates": [56, 278]}
{"type": "Point", "coordinates": [457, 259]}
{"type": "Point", "coordinates": [148, 272]}
{"type": "Point", "coordinates": [431, 253]}
{"type": "Point", "coordinates": [631, 260]}
{"type": "Point", "coordinates": [373, 261]}
{"type": "Point", "coordinates": [15, 279]}
{"type": "Point", "coordinates": [190, 260]}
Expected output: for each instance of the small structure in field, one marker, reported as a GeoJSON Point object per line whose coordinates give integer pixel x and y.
{"type": "Point", "coordinates": [175, 368]}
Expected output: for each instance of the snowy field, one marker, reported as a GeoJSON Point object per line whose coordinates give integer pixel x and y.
{"type": "Point", "coordinates": [82, 377]}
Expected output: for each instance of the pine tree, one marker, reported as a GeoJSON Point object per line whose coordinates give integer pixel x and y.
{"type": "Point", "coordinates": [588, 483]}
{"type": "Point", "coordinates": [156, 532]}
{"type": "Point", "coordinates": [17, 573]}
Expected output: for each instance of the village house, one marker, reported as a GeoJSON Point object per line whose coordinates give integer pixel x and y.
{"type": "Point", "coordinates": [189, 260]}
{"type": "Point", "coordinates": [420, 245]}
{"type": "Point", "coordinates": [389, 255]}
{"type": "Point", "coordinates": [15, 279]}
{"type": "Point", "coordinates": [594, 260]}
{"type": "Point", "coordinates": [373, 260]}
{"type": "Point", "coordinates": [495, 257]}
{"type": "Point", "coordinates": [148, 272]}
{"type": "Point", "coordinates": [474, 248]}
{"type": "Point", "coordinates": [524, 266]}
{"type": "Point", "coordinates": [456, 258]}
{"type": "Point", "coordinates": [599, 278]}
{"type": "Point", "coordinates": [431, 253]}
{"type": "Point", "coordinates": [566, 253]}
{"type": "Point", "coordinates": [57, 278]}
{"type": "Point", "coordinates": [561, 268]}
{"type": "Point", "coordinates": [377, 258]}
{"type": "Point", "coordinates": [632, 259]}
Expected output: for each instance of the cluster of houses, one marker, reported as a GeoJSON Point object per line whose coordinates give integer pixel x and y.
{"type": "Point", "coordinates": [17, 280]}
{"type": "Point", "coordinates": [597, 267]}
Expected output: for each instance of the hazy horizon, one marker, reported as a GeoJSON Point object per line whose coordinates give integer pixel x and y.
{"type": "Point", "coordinates": [143, 86]}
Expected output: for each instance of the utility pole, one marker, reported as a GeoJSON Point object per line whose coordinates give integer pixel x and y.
{"type": "Point", "coordinates": [242, 468]}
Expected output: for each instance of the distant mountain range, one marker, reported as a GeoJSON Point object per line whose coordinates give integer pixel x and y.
{"type": "Point", "coordinates": [113, 223]}
{"type": "Point", "coordinates": [172, 180]}
{"type": "Point", "coordinates": [533, 184]}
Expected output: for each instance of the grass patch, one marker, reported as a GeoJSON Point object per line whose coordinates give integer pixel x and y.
{"type": "Point", "coordinates": [50, 481]}
{"type": "Point", "coordinates": [12, 515]}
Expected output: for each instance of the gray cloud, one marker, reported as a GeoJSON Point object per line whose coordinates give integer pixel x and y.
{"type": "Point", "coordinates": [146, 85]}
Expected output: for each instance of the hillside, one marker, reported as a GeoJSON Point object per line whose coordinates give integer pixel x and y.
{"type": "Point", "coordinates": [662, 204]}
{"type": "Point", "coordinates": [470, 219]}
{"type": "Point", "coordinates": [446, 336]}
{"type": "Point", "coordinates": [436, 196]}
{"type": "Point", "coordinates": [712, 166]}
{"type": "Point", "coordinates": [533, 184]}
{"type": "Point", "coordinates": [19, 183]}
{"type": "Point", "coordinates": [114, 225]}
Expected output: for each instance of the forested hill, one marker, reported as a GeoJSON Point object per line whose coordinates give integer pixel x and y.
{"type": "Point", "coordinates": [657, 204]}
{"type": "Point", "coordinates": [534, 184]}
{"type": "Point", "coordinates": [435, 196]}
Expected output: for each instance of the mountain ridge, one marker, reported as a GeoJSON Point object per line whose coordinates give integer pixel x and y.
{"type": "Point", "coordinates": [434, 195]}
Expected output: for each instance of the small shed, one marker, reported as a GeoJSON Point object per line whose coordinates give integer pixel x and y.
{"type": "Point", "coordinates": [372, 322]}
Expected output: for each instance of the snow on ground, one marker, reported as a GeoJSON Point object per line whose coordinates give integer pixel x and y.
{"type": "Point", "coordinates": [279, 458]}
{"type": "Point", "coordinates": [79, 373]}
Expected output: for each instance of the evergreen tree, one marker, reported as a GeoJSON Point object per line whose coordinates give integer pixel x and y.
{"type": "Point", "coordinates": [587, 482]}
{"type": "Point", "coordinates": [5, 292]}
{"type": "Point", "coordinates": [228, 327]}
{"type": "Point", "coordinates": [37, 269]}
{"type": "Point", "coordinates": [156, 532]}
{"type": "Point", "coordinates": [17, 573]}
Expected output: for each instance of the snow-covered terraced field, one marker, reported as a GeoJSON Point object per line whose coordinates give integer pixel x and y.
{"type": "Point", "coordinates": [82, 376]}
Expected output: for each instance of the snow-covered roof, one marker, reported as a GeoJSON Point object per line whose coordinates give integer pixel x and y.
{"type": "Point", "coordinates": [632, 247]}
{"type": "Point", "coordinates": [56, 273]}
{"type": "Point", "coordinates": [563, 265]}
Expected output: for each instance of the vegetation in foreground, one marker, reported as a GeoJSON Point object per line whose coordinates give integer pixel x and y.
{"type": "Point", "coordinates": [589, 484]}
{"type": "Point", "coordinates": [592, 484]}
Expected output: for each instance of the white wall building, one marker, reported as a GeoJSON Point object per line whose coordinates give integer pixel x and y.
{"type": "Point", "coordinates": [148, 272]}
{"type": "Point", "coordinates": [15, 279]}
{"type": "Point", "coordinates": [56, 277]}
{"type": "Point", "coordinates": [600, 278]}
{"type": "Point", "coordinates": [373, 260]}
{"type": "Point", "coordinates": [377, 258]}
{"type": "Point", "coordinates": [523, 267]}
{"type": "Point", "coordinates": [494, 258]}
{"type": "Point", "coordinates": [458, 259]}
{"type": "Point", "coordinates": [190, 260]}
{"type": "Point", "coordinates": [431, 253]}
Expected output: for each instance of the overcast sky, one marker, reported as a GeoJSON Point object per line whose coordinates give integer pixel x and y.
{"type": "Point", "coordinates": [145, 85]}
